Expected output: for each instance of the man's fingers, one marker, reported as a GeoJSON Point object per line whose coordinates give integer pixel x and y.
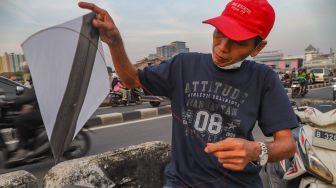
{"type": "Point", "coordinates": [91, 6]}
{"type": "Point", "coordinates": [99, 17]}
{"type": "Point", "coordinates": [101, 25]}
{"type": "Point", "coordinates": [224, 145]}
{"type": "Point", "coordinates": [231, 161]}
{"type": "Point", "coordinates": [230, 154]}
{"type": "Point", "coordinates": [233, 167]}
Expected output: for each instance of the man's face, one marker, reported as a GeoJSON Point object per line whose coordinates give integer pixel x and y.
{"type": "Point", "coordinates": [227, 51]}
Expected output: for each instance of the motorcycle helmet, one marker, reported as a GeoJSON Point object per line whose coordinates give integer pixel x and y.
{"type": "Point", "coordinates": [300, 70]}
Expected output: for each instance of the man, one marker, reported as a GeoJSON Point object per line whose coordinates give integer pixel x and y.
{"type": "Point", "coordinates": [287, 79]}
{"type": "Point", "coordinates": [302, 77]}
{"type": "Point", "coordinates": [125, 93]}
{"type": "Point", "coordinates": [312, 77]}
{"type": "Point", "coordinates": [29, 119]}
{"type": "Point", "coordinates": [216, 99]}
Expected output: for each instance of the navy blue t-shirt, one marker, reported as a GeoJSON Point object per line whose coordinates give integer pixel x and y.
{"type": "Point", "coordinates": [210, 104]}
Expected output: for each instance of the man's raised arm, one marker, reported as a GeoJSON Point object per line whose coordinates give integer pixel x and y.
{"type": "Point", "coordinates": [109, 34]}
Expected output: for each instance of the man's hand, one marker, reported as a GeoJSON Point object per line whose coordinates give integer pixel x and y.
{"type": "Point", "coordinates": [109, 32]}
{"type": "Point", "coordinates": [234, 153]}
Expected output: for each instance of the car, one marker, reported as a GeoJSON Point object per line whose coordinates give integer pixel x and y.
{"type": "Point", "coordinates": [321, 74]}
{"type": "Point", "coordinates": [10, 89]}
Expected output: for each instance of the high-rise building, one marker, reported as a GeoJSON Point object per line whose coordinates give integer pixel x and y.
{"type": "Point", "coordinates": [1, 65]}
{"type": "Point", "coordinates": [180, 46]}
{"type": "Point", "coordinates": [5, 63]}
{"type": "Point", "coordinates": [166, 51]}
{"type": "Point", "coordinates": [21, 58]}
{"type": "Point", "coordinates": [11, 62]}
{"type": "Point", "coordinates": [14, 62]}
{"type": "Point", "coordinates": [163, 53]}
{"type": "Point", "coordinates": [174, 48]}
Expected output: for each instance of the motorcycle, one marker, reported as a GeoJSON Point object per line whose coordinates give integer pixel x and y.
{"type": "Point", "coordinates": [313, 164]}
{"type": "Point", "coordinates": [287, 83]}
{"type": "Point", "coordinates": [333, 82]}
{"type": "Point", "coordinates": [116, 99]}
{"type": "Point", "coordinates": [296, 89]}
{"type": "Point", "coordinates": [38, 142]}
{"type": "Point", "coordinates": [136, 96]}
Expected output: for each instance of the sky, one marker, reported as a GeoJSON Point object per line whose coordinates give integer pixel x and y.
{"type": "Point", "coordinates": [147, 24]}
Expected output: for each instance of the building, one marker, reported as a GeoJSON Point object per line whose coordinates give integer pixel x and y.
{"type": "Point", "coordinates": [310, 53]}
{"type": "Point", "coordinates": [180, 47]}
{"type": "Point", "coordinates": [269, 56]}
{"type": "Point", "coordinates": [147, 62]}
{"type": "Point", "coordinates": [166, 51]}
{"type": "Point", "coordinates": [11, 62]}
{"type": "Point", "coordinates": [174, 48]}
{"type": "Point", "coordinates": [153, 56]}
{"type": "Point", "coordinates": [4, 64]}
{"type": "Point", "coordinates": [1, 65]}
{"type": "Point", "coordinates": [163, 53]}
{"type": "Point", "coordinates": [278, 62]}
{"type": "Point", "coordinates": [315, 59]}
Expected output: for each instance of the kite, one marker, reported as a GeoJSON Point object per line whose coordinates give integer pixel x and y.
{"type": "Point", "coordinates": [69, 75]}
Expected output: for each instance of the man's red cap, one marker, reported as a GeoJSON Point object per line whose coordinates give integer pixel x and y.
{"type": "Point", "coordinates": [245, 19]}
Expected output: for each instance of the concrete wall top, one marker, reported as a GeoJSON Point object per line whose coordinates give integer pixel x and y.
{"type": "Point", "coordinates": [139, 165]}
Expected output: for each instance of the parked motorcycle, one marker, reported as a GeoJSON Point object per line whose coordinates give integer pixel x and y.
{"type": "Point", "coordinates": [314, 162]}
{"type": "Point", "coordinates": [296, 89]}
{"type": "Point", "coordinates": [137, 96]}
{"type": "Point", "coordinates": [333, 84]}
{"type": "Point", "coordinates": [39, 143]}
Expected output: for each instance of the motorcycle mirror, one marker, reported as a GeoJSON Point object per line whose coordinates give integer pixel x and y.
{"type": "Point", "coordinates": [19, 90]}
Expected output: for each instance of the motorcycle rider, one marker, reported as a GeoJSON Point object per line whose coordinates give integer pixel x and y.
{"type": "Point", "coordinates": [312, 77]}
{"type": "Point", "coordinates": [302, 77]}
{"type": "Point", "coordinates": [287, 79]}
{"type": "Point", "coordinates": [119, 87]}
{"type": "Point", "coordinates": [25, 123]}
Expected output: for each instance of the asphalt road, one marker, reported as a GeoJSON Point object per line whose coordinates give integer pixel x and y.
{"type": "Point", "coordinates": [323, 93]}
{"type": "Point", "coordinates": [317, 93]}
{"type": "Point", "coordinates": [136, 132]}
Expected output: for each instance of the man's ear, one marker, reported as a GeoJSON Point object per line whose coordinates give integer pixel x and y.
{"type": "Point", "coordinates": [257, 49]}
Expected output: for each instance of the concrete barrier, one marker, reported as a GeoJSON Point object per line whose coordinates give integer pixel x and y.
{"type": "Point", "coordinates": [128, 116]}
{"type": "Point", "coordinates": [135, 166]}
{"type": "Point", "coordinates": [289, 90]}
{"type": "Point", "coordinates": [308, 102]}
{"type": "Point", "coordinates": [18, 179]}
{"type": "Point", "coordinates": [111, 118]}
{"type": "Point", "coordinates": [148, 112]}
